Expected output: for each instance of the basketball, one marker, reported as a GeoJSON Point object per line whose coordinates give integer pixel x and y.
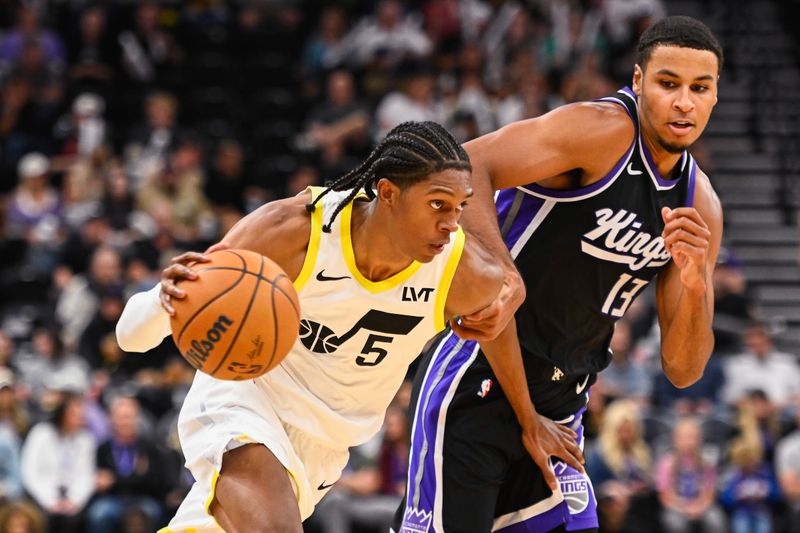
{"type": "Point", "coordinates": [239, 318]}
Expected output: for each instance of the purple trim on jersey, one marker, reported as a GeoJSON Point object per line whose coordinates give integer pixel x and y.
{"type": "Point", "coordinates": [504, 201]}
{"type": "Point", "coordinates": [615, 100]}
{"type": "Point", "coordinates": [426, 419]}
{"type": "Point", "coordinates": [589, 189]}
{"type": "Point", "coordinates": [627, 90]}
{"type": "Point", "coordinates": [654, 169]}
{"type": "Point", "coordinates": [527, 212]}
{"type": "Point", "coordinates": [550, 519]}
{"type": "Point", "coordinates": [690, 187]}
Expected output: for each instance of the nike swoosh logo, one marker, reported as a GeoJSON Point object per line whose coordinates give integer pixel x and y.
{"type": "Point", "coordinates": [323, 277]}
{"type": "Point", "coordinates": [323, 486]}
{"type": "Point", "coordinates": [580, 386]}
{"type": "Point", "coordinates": [633, 172]}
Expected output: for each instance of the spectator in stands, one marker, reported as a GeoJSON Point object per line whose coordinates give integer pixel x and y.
{"type": "Point", "coordinates": [29, 30]}
{"type": "Point", "coordinates": [627, 376]}
{"type": "Point", "coordinates": [750, 488]}
{"type": "Point", "coordinates": [35, 213]}
{"type": "Point", "coordinates": [764, 368]}
{"type": "Point", "coordinates": [620, 466]}
{"type": "Point", "coordinates": [787, 467]}
{"type": "Point", "coordinates": [130, 473]}
{"type": "Point", "coordinates": [150, 143]}
{"type": "Point", "coordinates": [148, 52]}
{"type": "Point", "coordinates": [227, 178]}
{"type": "Point", "coordinates": [80, 296]}
{"type": "Point", "coordinates": [686, 484]}
{"type": "Point", "coordinates": [340, 120]}
{"type": "Point", "coordinates": [416, 101]}
{"type": "Point", "coordinates": [21, 517]}
{"type": "Point", "coordinates": [10, 480]}
{"type": "Point", "coordinates": [388, 38]}
{"type": "Point", "coordinates": [46, 366]}
{"type": "Point", "coordinates": [733, 303]}
{"type": "Point", "coordinates": [12, 413]}
{"type": "Point", "coordinates": [58, 465]}
{"type": "Point", "coordinates": [92, 51]}
{"type": "Point", "coordinates": [326, 48]}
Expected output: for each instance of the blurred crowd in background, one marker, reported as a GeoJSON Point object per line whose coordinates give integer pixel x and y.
{"type": "Point", "coordinates": [133, 130]}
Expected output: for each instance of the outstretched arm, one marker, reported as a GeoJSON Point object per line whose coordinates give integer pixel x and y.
{"type": "Point", "coordinates": [279, 230]}
{"type": "Point", "coordinates": [685, 293]}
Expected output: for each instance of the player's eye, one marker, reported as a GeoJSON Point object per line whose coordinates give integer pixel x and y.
{"type": "Point", "coordinates": [436, 204]}
{"type": "Point", "coordinates": [667, 84]}
{"type": "Point", "coordinates": [699, 88]}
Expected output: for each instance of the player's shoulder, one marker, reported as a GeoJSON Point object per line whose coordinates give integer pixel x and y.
{"type": "Point", "coordinates": [706, 199]}
{"type": "Point", "coordinates": [280, 225]}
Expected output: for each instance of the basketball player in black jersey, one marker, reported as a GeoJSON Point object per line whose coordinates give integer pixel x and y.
{"type": "Point", "coordinates": [595, 200]}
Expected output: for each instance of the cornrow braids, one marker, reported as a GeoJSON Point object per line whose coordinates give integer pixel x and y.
{"type": "Point", "coordinates": [409, 154]}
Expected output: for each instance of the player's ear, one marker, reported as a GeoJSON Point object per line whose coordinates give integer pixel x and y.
{"type": "Point", "coordinates": [387, 191]}
{"type": "Point", "coordinates": [636, 84]}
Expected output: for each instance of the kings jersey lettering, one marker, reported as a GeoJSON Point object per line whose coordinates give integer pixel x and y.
{"type": "Point", "coordinates": [623, 242]}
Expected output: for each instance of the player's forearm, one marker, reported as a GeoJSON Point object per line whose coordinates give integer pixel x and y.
{"type": "Point", "coordinates": [144, 323]}
{"type": "Point", "coordinates": [505, 357]}
{"type": "Point", "coordinates": [687, 343]}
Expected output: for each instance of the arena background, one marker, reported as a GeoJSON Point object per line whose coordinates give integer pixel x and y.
{"type": "Point", "coordinates": [130, 131]}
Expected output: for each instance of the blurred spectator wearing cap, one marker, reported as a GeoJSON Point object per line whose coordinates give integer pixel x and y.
{"type": "Point", "coordinates": [58, 465]}
{"type": "Point", "coordinates": [130, 474]}
{"type": "Point", "coordinates": [80, 295]}
{"type": "Point", "coordinates": [84, 130]}
{"type": "Point", "coordinates": [787, 467]}
{"type": "Point", "coordinates": [35, 214]}
{"type": "Point", "coordinates": [21, 517]}
{"type": "Point", "coordinates": [10, 479]}
{"type": "Point", "coordinates": [686, 484]}
{"type": "Point", "coordinates": [733, 303]}
{"type": "Point", "coordinates": [762, 367]}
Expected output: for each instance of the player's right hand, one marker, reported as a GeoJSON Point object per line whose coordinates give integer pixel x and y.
{"type": "Point", "coordinates": [179, 269]}
{"type": "Point", "coordinates": [545, 439]}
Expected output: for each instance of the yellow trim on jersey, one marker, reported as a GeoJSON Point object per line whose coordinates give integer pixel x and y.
{"type": "Point", "coordinates": [168, 530]}
{"type": "Point", "coordinates": [313, 242]}
{"type": "Point", "coordinates": [350, 259]}
{"type": "Point", "coordinates": [210, 499]}
{"type": "Point", "coordinates": [447, 278]}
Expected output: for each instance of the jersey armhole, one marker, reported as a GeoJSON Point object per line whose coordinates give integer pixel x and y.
{"type": "Point", "coordinates": [447, 278]}
{"type": "Point", "coordinates": [313, 241]}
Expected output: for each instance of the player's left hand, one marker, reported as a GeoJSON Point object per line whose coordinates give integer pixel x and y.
{"type": "Point", "coordinates": [687, 238]}
{"type": "Point", "coordinates": [489, 322]}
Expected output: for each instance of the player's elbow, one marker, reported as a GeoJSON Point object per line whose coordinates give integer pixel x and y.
{"type": "Point", "coordinates": [126, 340]}
{"type": "Point", "coordinates": [684, 381]}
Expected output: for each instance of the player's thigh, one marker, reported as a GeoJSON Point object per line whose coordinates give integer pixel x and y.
{"type": "Point", "coordinates": [254, 493]}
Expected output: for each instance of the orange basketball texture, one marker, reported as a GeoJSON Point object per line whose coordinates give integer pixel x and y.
{"type": "Point", "coordinates": [239, 318]}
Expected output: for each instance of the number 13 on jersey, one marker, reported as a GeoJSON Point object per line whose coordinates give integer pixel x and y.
{"type": "Point", "coordinates": [622, 294]}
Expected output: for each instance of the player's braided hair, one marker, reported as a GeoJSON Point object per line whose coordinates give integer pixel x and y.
{"type": "Point", "coordinates": [410, 153]}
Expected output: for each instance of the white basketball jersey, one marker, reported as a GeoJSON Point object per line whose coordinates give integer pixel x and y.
{"type": "Point", "coordinates": [357, 337]}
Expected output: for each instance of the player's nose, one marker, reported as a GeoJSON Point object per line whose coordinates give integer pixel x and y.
{"type": "Point", "coordinates": [683, 101]}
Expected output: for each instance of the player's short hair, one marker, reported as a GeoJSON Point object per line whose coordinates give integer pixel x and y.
{"type": "Point", "coordinates": [685, 32]}
{"type": "Point", "coordinates": [410, 153]}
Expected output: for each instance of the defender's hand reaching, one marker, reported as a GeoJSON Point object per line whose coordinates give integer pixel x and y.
{"type": "Point", "coordinates": [179, 269]}
{"type": "Point", "coordinates": [489, 322]}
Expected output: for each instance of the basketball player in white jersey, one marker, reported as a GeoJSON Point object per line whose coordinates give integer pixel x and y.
{"type": "Point", "coordinates": [379, 271]}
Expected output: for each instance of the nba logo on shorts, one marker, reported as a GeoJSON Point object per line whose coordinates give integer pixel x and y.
{"type": "Point", "coordinates": [574, 487]}
{"type": "Point", "coordinates": [416, 521]}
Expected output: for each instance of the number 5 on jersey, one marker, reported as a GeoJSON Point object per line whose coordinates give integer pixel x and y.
{"type": "Point", "coordinates": [622, 294]}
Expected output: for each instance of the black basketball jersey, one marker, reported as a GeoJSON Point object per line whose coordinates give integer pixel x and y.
{"type": "Point", "coordinates": [586, 254]}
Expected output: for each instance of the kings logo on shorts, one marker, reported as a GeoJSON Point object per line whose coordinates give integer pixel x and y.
{"type": "Point", "coordinates": [200, 349]}
{"type": "Point", "coordinates": [574, 486]}
{"type": "Point", "coordinates": [416, 521]}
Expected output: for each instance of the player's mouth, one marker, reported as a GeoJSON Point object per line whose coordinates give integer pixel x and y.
{"type": "Point", "coordinates": [681, 127]}
{"type": "Point", "coordinates": [439, 247]}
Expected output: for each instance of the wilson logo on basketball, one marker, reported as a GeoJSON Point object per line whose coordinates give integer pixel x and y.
{"type": "Point", "coordinates": [200, 349]}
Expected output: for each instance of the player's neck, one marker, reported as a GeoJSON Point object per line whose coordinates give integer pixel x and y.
{"type": "Point", "coordinates": [375, 250]}
{"type": "Point", "coordinates": [665, 161]}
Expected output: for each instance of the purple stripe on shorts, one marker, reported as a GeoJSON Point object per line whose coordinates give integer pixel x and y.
{"type": "Point", "coordinates": [418, 431]}
{"type": "Point", "coordinates": [433, 408]}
